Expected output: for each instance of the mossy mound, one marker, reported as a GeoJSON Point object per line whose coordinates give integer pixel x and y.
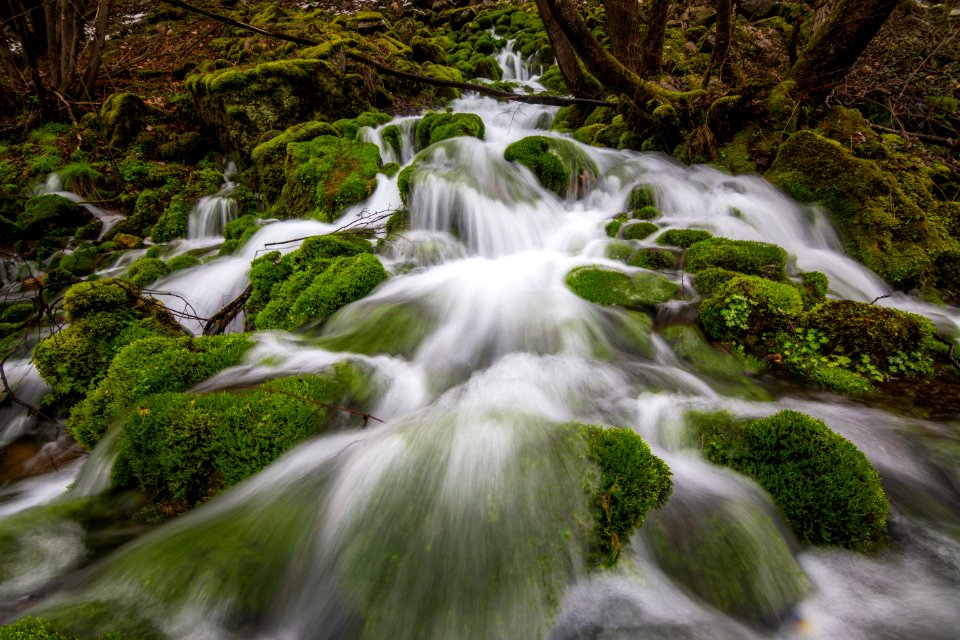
{"type": "Point", "coordinates": [103, 317]}
{"type": "Point", "coordinates": [242, 105]}
{"type": "Point", "coordinates": [269, 157]}
{"type": "Point", "coordinates": [391, 329]}
{"type": "Point", "coordinates": [653, 259]}
{"type": "Point", "coordinates": [122, 118]}
{"type": "Point", "coordinates": [609, 287]}
{"type": "Point", "coordinates": [147, 367]}
{"type": "Point", "coordinates": [236, 233]}
{"type": "Point", "coordinates": [744, 256]}
{"type": "Point", "coordinates": [729, 555]}
{"type": "Point", "coordinates": [326, 175]}
{"type": "Point", "coordinates": [827, 489]}
{"type": "Point", "coordinates": [885, 210]}
{"type": "Point", "coordinates": [311, 283]}
{"type": "Point", "coordinates": [173, 221]}
{"type": "Point", "coordinates": [558, 164]}
{"type": "Point", "coordinates": [631, 481]}
{"type": "Point", "coordinates": [50, 214]}
{"type": "Point", "coordinates": [436, 127]}
{"type": "Point", "coordinates": [710, 280]}
{"type": "Point", "coordinates": [183, 448]}
{"type": "Point", "coordinates": [749, 307]}
{"type": "Point", "coordinates": [683, 238]}
{"type": "Point", "coordinates": [146, 270]}
{"type": "Point", "coordinates": [637, 230]}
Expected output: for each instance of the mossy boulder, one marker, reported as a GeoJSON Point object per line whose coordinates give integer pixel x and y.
{"type": "Point", "coordinates": [610, 287]}
{"type": "Point", "coordinates": [184, 448]}
{"type": "Point", "coordinates": [146, 270]}
{"type": "Point", "coordinates": [236, 233]}
{"type": "Point", "coordinates": [654, 259]}
{"type": "Point", "coordinates": [173, 221]}
{"type": "Point", "coordinates": [884, 210]}
{"type": "Point", "coordinates": [122, 118]}
{"type": "Point", "coordinates": [828, 491]}
{"type": "Point", "coordinates": [683, 238]}
{"type": "Point", "coordinates": [640, 197]}
{"type": "Point", "coordinates": [50, 214]}
{"type": "Point", "coordinates": [270, 157]}
{"type": "Point", "coordinates": [147, 367]}
{"type": "Point", "coordinates": [560, 165]}
{"type": "Point", "coordinates": [241, 105]}
{"type": "Point", "coordinates": [710, 280]}
{"type": "Point", "coordinates": [326, 175]}
{"type": "Point", "coordinates": [103, 316]}
{"type": "Point", "coordinates": [748, 308]}
{"type": "Point", "coordinates": [637, 230]}
{"type": "Point", "coordinates": [390, 329]}
{"type": "Point", "coordinates": [436, 127]}
{"type": "Point", "coordinates": [744, 256]}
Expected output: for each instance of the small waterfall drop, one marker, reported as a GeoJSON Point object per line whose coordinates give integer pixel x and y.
{"type": "Point", "coordinates": [212, 213]}
{"type": "Point", "coordinates": [54, 185]}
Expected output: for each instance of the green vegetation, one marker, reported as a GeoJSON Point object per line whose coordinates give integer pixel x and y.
{"type": "Point", "coordinates": [728, 372]}
{"type": "Point", "coordinates": [684, 238]}
{"type": "Point", "coordinates": [558, 164]}
{"type": "Point", "coordinates": [609, 287]}
{"type": "Point", "coordinates": [654, 259]}
{"type": "Point", "coordinates": [49, 214]}
{"type": "Point", "coordinates": [146, 270]}
{"type": "Point", "coordinates": [748, 307]}
{"type": "Point", "coordinates": [745, 256]}
{"type": "Point", "coordinates": [237, 232]}
{"type": "Point", "coordinates": [436, 127]}
{"type": "Point", "coordinates": [121, 118]}
{"type": "Point", "coordinates": [637, 230]}
{"type": "Point", "coordinates": [827, 489]}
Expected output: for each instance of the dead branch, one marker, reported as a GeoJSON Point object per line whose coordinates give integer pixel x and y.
{"type": "Point", "coordinates": [221, 319]}
{"type": "Point", "coordinates": [949, 142]}
{"type": "Point", "coordinates": [383, 68]}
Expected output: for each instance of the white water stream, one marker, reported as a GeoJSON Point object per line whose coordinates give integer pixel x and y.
{"type": "Point", "coordinates": [443, 522]}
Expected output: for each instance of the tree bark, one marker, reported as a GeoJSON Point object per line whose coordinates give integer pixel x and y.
{"type": "Point", "coordinates": [623, 28]}
{"type": "Point", "coordinates": [651, 57]}
{"type": "Point", "coordinates": [96, 49]}
{"type": "Point", "coordinates": [835, 47]}
{"type": "Point", "coordinates": [573, 73]}
{"type": "Point", "coordinates": [721, 42]}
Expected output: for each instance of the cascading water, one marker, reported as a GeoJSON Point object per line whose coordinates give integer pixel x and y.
{"type": "Point", "coordinates": [54, 185]}
{"type": "Point", "coordinates": [212, 213]}
{"type": "Point", "coordinates": [451, 520]}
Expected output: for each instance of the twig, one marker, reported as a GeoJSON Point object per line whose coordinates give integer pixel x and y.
{"type": "Point", "coordinates": [951, 346]}
{"type": "Point", "coordinates": [218, 323]}
{"type": "Point", "coordinates": [950, 142]}
{"type": "Point", "coordinates": [880, 298]}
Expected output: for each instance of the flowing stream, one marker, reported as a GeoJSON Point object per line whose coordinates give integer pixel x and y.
{"type": "Point", "coordinates": [448, 520]}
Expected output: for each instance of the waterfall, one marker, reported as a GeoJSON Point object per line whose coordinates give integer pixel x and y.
{"type": "Point", "coordinates": [452, 518]}
{"type": "Point", "coordinates": [212, 213]}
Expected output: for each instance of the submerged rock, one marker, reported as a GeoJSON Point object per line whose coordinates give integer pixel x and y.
{"type": "Point", "coordinates": [560, 165]}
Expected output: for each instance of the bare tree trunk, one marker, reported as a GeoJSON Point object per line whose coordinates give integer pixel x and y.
{"type": "Point", "coordinates": [623, 28]}
{"type": "Point", "coordinates": [721, 42]}
{"type": "Point", "coordinates": [835, 47]}
{"type": "Point", "coordinates": [52, 20]}
{"type": "Point", "coordinates": [570, 68]}
{"type": "Point", "coordinates": [651, 60]}
{"type": "Point", "coordinates": [96, 49]}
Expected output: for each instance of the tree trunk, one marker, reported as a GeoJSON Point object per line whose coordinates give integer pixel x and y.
{"type": "Point", "coordinates": [651, 61]}
{"type": "Point", "coordinates": [623, 28]}
{"type": "Point", "coordinates": [835, 47]}
{"type": "Point", "coordinates": [96, 49]}
{"type": "Point", "coordinates": [721, 42]}
{"type": "Point", "coordinates": [573, 73]}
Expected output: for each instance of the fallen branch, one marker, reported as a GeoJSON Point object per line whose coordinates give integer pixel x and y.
{"type": "Point", "coordinates": [221, 319]}
{"type": "Point", "coordinates": [383, 68]}
{"type": "Point", "coordinates": [951, 345]}
{"type": "Point", "coordinates": [949, 142]}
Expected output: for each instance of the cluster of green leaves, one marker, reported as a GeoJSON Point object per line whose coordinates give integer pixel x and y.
{"type": "Point", "coordinates": [747, 308]}
{"type": "Point", "coordinates": [829, 492]}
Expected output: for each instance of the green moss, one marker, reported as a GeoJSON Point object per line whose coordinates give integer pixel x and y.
{"type": "Point", "coordinates": [646, 213]}
{"type": "Point", "coordinates": [641, 196]}
{"type": "Point", "coordinates": [435, 127]}
{"type": "Point", "coordinates": [727, 372]}
{"type": "Point", "coordinates": [619, 250]}
{"type": "Point", "coordinates": [708, 281]}
{"type": "Point", "coordinates": [80, 177]}
{"type": "Point", "coordinates": [749, 308]}
{"type": "Point", "coordinates": [827, 489]}
{"type": "Point", "coordinates": [744, 256]}
{"type": "Point", "coordinates": [146, 367]}
{"type": "Point", "coordinates": [684, 238]}
{"type": "Point", "coordinates": [269, 157]}
{"type": "Point", "coordinates": [815, 284]}
{"type": "Point", "coordinates": [631, 482]}
{"type": "Point", "coordinates": [146, 270]}
{"type": "Point", "coordinates": [183, 448]}
{"type": "Point", "coordinates": [49, 214]}
{"type": "Point", "coordinates": [608, 287]}
{"type": "Point", "coordinates": [237, 232]}
{"type": "Point", "coordinates": [326, 175]}
{"type": "Point", "coordinates": [187, 148]}
{"type": "Point", "coordinates": [637, 230]}
{"type": "Point", "coordinates": [612, 228]}
{"type": "Point", "coordinates": [396, 330]}
{"type": "Point", "coordinates": [558, 164]}
{"type": "Point", "coordinates": [173, 221]}
{"type": "Point", "coordinates": [655, 259]}
{"type": "Point", "coordinates": [392, 135]}
{"type": "Point", "coordinates": [184, 261]}
{"type": "Point", "coordinates": [122, 118]}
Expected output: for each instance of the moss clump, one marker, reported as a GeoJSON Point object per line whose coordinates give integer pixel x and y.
{"type": "Point", "coordinates": [237, 232]}
{"type": "Point", "coordinates": [147, 367]}
{"type": "Point", "coordinates": [748, 308]}
{"type": "Point", "coordinates": [637, 230]}
{"type": "Point", "coordinates": [654, 259]}
{"type": "Point", "coordinates": [641, 196]}
{"type": "Point", "coordinates": [49, 214]}
{"type": "Point", "coordinates": [122, 118]}
{"type": "Point", "coordinates": [173, 221]}
{"type": "Point", "coordinates": [889, 340]}
{"type": "Point", "coordinates": [710, 280]}
{"type": "Point", "coordinates": [269, 157]}
{"type": "Point", "coordinates": [631, 482]}
{"type": "Point", "coordinates": [729, 373]}
{"type": "Point", "coordinates": [392, 135]}
{"type": "Point", "coordinates": [103, 316]}
{"type": "Point", "coordinates": [612, 228]}
{"type": "Point", "coordinates": [436, 127]}
{"type": "Point", "coordinates": [619, 250]}
{"type": "Point", "coordinates": [744, 256]}
{"type": "Point", "coordinates": [184, 261]}
{"type": "Point", "coordinates": [829, 492]}
{"type": "Point", "coordinates": [884, 209]}
{"type": "Point", "coordinates": [183, 448]}
{"type": "Point", "coordinates": [326, 175]}
{"type": "Point", "coordinates": [558, 164]}
{"type": "Point", "coordinates": [396, 330]}
{"type": "Point", "coordinates": [146, 270]}
{"type": "Point", "coordinates": [647, 213]}
{"type": "Point", "coordinates": [609, 287]}
{"type": "Point", "coordinates": [684, 238]}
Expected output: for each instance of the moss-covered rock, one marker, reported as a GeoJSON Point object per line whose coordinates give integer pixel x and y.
{"type": "Point", "coordinates": [146, 270]}
{"type": "Point", "coordinates": [103, 317]}
{"type": "Point", "coordinates": [122, 118]}
{"type": "Point", "coordinates": [641, 196]}
{"type": "Point", "coordinates": [237, 232]}
{"type": "Point", "coordinates": [326, 175]}
{"type": "Point", "coordinates": [884, 210]}
{"type": "Point", "coordinates": [173, 221]}
{"type": "Point", "coordinates": [684, 238]}
{"type": "Point", "coordinates": [710, 280]}
{"type": "Point", "coordinates": [184, 261]}
{"type": "Point", "coordinates": [50, 214]}
{"type": "Point", "coordinates": [609, 287]}
{"type": "Point", "coordinates": [649, 212]}
{"type": "Point", "coordinates": [183, 448]}
{"type": "Point", "coordinates": [829, 492]}
{"type": "Point", "coordinates": [654, 259]}
{"type": "Point", "coordinates": [637, 230]}
{"type": "Point", "coordinates": [270, 157]}
{"type": "Point", "coordinates": [241, 105]}
{"type": "Point", "coordinates": [744, 256]}
{"type": "Point", "coordinates": [146, 367]}
{"type": "Point", "coordinates": [436, 127]}
{"type": "Point", "coordinates": [559, 164]}
{"type": "Point", "coordinates": [748, 308]}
